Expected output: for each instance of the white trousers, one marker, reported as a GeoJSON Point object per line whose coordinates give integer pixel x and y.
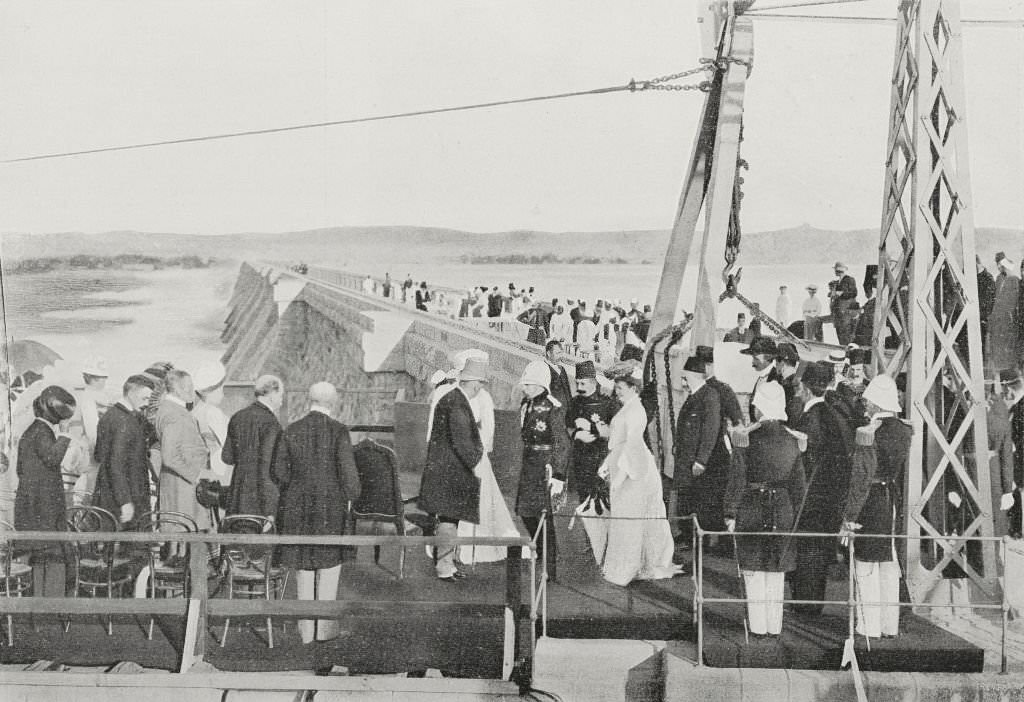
{"type": "Point", "coordinates": [317, 585]}
{"type": "Point", "coordinates": [877, 582]}
{"type": "Point", "coordinates": [764, 618]}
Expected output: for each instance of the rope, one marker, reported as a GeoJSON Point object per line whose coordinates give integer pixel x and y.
{"type": "Point", "coordinates": [633, 86]}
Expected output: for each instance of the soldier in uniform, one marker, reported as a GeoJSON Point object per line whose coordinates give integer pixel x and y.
{"type": "Point", "coordinates": [766, 487]}
{"type": "Point", "coordinates": [827, 463]}
{"type": "Point", "coordinates": [588, 419]}
{"type": "Point", "coordinates": [545, 449]}
{"type": "Point", "coordinates": [873, 503]}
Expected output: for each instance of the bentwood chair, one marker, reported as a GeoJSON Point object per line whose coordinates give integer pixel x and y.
{"type": "Point", "coordinates": [99, 566]}
{"type": "Point", "coordinates": [16, 578]}
{"type": "Point", "coordinates": [379, 508]}
{"type": "Point", "coordinates": [249, 569]}
{"type": "Point", "coordinates": [168, 570]}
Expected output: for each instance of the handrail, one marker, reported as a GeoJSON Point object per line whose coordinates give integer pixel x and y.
{"type": "Point", "coordinates": [852, 601]}
{"type": "Point", "coordinates": [268, 539]}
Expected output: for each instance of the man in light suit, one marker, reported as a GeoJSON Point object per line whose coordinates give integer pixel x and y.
{"type": "Point", "coordinates": [184, 458]}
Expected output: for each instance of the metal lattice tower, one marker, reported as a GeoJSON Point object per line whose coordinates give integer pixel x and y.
{"type": "Point", "coordinates": [927, 309]}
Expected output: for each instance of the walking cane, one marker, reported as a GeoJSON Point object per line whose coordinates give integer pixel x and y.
{"type": "Point", "coordinates": [743, 588]}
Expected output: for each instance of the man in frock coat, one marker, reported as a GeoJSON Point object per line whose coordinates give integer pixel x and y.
{"type": "Point", "coordinates": [587, 419]}
{"type": "Point", "coordinates": [250, 444]}
{"type": "Point", "coordinates": [450, 489]}
{"type": "Point", "coordinates": [122, 453]}
{"type": "Point", "coordinates": [315, 470]}
{"type": "Point", "coordinates": [184, 458]}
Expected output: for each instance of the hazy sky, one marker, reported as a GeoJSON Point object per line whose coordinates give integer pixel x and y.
{"type": "Point", "coordinates": [79, 75]}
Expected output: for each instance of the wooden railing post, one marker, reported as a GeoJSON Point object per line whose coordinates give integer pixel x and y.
{"type": "Point", "coordinates": [198, 593]}
{"type": "Point", "coordinates": [514, 600]}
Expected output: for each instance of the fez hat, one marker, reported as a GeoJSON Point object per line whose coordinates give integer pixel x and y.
{"type": "Point", "coordinates": [695, 365]}
{"type": "Point", "coordinates": [770, 398]}
{"type": "Point", "coordinates": [871, 275]}
{"type": "Point", "coordinates": [54, 404]}
{"type": "Point", "coordinates": [882, 392]}
{"type": "Point", "coordinates": [787, 353]}
{"type": "Point", "coordinates": [705, 353]}
{"type": "Point", "coordinates": [817, 373]}
{"type": "Point", "coordinates": [586, 369]}
{"type": "Point", "coordinates": [761, 345]}
{"type": "Point", "coordinates": [475, 369]}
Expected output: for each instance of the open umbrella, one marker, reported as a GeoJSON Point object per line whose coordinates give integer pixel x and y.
{"type": "Point", "coordinates": [26, 355]}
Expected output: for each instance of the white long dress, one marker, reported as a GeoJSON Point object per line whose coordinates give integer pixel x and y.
{"type": "Point", "coordinates": [640, 549]}
{"type": "Point", "coordinates": [495, 518]}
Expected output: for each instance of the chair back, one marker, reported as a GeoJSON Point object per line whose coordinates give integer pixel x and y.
{"type": "Point", "coordinates": [6, 547]}
{"type": "Point", "coordinates": [90, 520]}
{"type": "Point", "coordinates": [244, 554]}
{"type": "Point", "coordinates": [167, 523]}
{"type": "Point", "coordinates": [380, 494]}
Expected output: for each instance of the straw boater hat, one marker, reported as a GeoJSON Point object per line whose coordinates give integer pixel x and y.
{"type": "Point", "coordinates": [770, 399]}
{"type": "Point", "coordinates": [209, 377]}
{"type": "Point", "coordinates": [96, 367]}
{"type": "Point", "coordinates": [882, 392]}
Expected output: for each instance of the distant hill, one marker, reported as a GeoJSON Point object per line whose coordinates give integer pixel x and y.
{"type": "Point", "coordinates": [353, 246]}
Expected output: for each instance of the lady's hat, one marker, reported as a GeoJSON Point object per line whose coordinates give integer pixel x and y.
{"type": "Point", "coordinates": [209, 377]}
{"type": "Point", "coordinates": [474, 369]}
{"type": "Point", "coordinates": [882, 392]}
{"type": "Point", "coordinates": [586, 369]}
{"type": "Point", "coordinates": [770, 399]}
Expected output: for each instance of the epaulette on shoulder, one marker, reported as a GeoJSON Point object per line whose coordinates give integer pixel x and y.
{"type": "Point", "coordinates": [741, 436]}
{"type": "Point", "coordinates": [866, 435]}
{"type": "Point", "coordinates": [800, 437]}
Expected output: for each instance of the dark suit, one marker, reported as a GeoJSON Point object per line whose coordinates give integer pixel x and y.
{"type": "Point", "coordinates": [700, 439]}
{"type": "Point", "coordinates": [39, 503]}
{"type": "Point", "coordinates": [794, 404]}
{"type": "Point", "coordinates": [250, 444]}
{"type": "Point", "coordinates": [316, 474]}
{"type": "Point", "coordinates": [123, 456]}
{"type": "Point", "coordinates": [728, 401]}
{"type": "Point", "coordinates": [544, 443]}
{"type": "Point", "coordinates": [844, 309]}
{"type": "Point", "coordinates": [827, 465]}
{"type": "Point", "coordinates": [449, 488]}
{"type": "Point", "coordinates": [559, 384]}
{"type": "Point", "coordinates": [585, 459]}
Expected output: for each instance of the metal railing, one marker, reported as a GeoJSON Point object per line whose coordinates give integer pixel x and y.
{"type": "Point", "coordinates": [201, 603]}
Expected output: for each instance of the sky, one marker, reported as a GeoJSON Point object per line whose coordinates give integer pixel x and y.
{"type": "Point", "coordinates": [91, 73]}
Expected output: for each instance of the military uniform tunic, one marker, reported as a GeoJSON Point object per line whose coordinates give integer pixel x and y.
{"type": "Point", "coordinates": [584, 458]}
{"type": "Point", "coordinates": [544, 443]}
{"type": "Point", "coordinates": [878, 470]}
{"type": "Point", "coordinates": [766, 487]}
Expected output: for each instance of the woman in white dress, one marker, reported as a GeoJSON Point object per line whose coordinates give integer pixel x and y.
{"type": "Point", "coordinates": [640, 542]}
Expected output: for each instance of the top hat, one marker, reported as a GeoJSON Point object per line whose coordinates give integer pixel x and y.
{"type": "Point", "coordinates": [761, 345]}
{"type": "Point", "coordinates": [817, 373]}
{"type": "Point", "coordinates": [705, 353]}
{"type": "Point", "coordinates": [694, 365]}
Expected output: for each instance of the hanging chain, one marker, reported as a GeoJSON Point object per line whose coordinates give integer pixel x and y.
{"type": "Point", "coordinates": [664, 82]}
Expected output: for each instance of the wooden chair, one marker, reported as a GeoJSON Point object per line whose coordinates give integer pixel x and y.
{"type": "Point", "coordinates": [168, 577]}
{"type": "Point", "coordinates": [17, 577]}
{"type": "Point", "coordinates": [380, 508]}
{"type": "Point", "coordinates": [249, 570]}
{"type": "Point", "coordinates": [98, 565]}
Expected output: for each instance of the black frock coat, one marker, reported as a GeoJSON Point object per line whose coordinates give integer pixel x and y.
{"type": "Point", "coordinates": [878, 471]}
{"type": "Point", "coordinates": [827, 468]}
{"type": "Point", "coordinates": [449, 488]}
{"type": "Point", "coordinates": [39, 504]}
{"type": "Point", "coordinates": [122, 452]}
{"type": "Point", "coordinates": [252, 438]}
{"type": "Point", "coordinates": [766, 487]}
{"type": "Point", "coordinates": [316, 473]}
{"type": "Point", "coordinates": [585, 459]}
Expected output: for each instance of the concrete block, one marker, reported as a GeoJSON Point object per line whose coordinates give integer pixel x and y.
{"type": "Point", "coordinates": [599, 670]}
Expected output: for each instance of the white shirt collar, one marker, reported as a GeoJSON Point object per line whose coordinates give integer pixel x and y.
{"type": "Point", "coordinates": [125, 404]}
{"type": "Point", "coordinates": [176, 400]}
{"type": "Point", "coordinates": [812, 402]}
{"type": "Point", "coordinates": [766, 372]}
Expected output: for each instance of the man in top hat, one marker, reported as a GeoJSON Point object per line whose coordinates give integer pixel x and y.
{"type": "Point", "coordinates": [762, 351]}
{"type": "Point", "coordinates": [250, 446]}
{"type": "Point", "coordinates": [545, 450]}
{"type": "Point", "coordinates": [764, 492]}
{"type": "Point", "coordinates": [1000, 445]}
{"type": "Point", "coordinates": [741, 333]}
{"type": "Point", "coordinates": [450, 489]}
{"type": "Point", "coordinates": [1004, 324]}
{"type": "Point", "coordinates": [874, 504]}
{"type": "Point", "coordinates": [827, 467]}
{"type": "Point", "coordinates": [787, 364]}
{"type": "Point", "coordinates": [843, 303]}
{"type": "Point", "coordinates": [727, 400]}
{"type": "Point", "coordinates": [811, 310]}
{"type": "Point", "coordinates": [700, 454]}
{"type": "Point", "coordinates": [587, 419]}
